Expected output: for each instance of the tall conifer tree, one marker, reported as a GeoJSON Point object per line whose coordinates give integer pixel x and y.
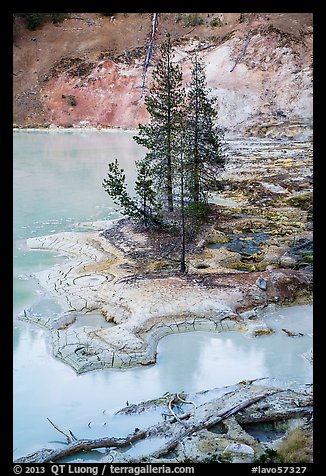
{"type": "Point", "coordinates": [204, 154]}
{"type": "Point", "coordinates": [160, 136]}
{"type": "Point", "coordinates": [184, 153]}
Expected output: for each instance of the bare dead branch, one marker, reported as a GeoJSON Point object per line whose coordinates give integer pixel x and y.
{"type": "Point", "coordinates": [173, 412]}
{"type": "Point", "coordinates": [185, 401]}
{"type": "Point", "coordinates": [48, 455]}
{"type": "Point", "coordinates": [73, 436]}
{"type": "Point", "coordinates": [60, 431]}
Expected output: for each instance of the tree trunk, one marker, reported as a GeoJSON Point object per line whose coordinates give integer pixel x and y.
{"type": "Point", "coordinates": [169, 138]}
{"type": "Point", "coordinates": [169, 187]}
{"type": "Point", "coordinates": [183, 228]}
{"type": "Point", "coordinates": [196, 158]}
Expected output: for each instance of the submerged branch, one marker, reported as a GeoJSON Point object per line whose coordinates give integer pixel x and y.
{"type": "Point", "coordinates": [50, 455]}
{"type": "Point", "coordinates": [60, 431]}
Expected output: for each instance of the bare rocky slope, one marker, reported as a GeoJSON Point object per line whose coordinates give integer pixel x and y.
{"type": "Point", "coordinates": [99, 61]}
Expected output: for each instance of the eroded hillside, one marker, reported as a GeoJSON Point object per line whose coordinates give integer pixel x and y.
{"type": "Point", "coordinates": [87, 70]}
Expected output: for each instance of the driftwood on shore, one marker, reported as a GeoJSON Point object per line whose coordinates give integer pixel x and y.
{"type": "Point", "coordinates": [177, 429]}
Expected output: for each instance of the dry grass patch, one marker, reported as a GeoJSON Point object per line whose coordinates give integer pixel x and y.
{"type": "Point", "coordinates": [297, 447]}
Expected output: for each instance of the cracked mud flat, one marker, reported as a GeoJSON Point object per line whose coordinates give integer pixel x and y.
{"type": "Point", "coordinates": [142, 310]}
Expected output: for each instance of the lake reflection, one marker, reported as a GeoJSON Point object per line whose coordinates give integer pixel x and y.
{"type": "Point", "coordinates": [193, 361]}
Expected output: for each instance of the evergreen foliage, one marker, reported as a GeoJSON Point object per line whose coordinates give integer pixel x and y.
{"type": "Point", "coordinates": [57, 17]}
{"type": "Point", "coordinates": [144, 206]}
{"type": "Point", "coordinates": [115, 185]}
{"type": "Point", "coordinates": [33, 20]}
{"type": "Point", "coordinates": [72, 100]}
{"type": "Point", "coordinates": [184, 154]}
{"type": "Point", "coordinates": [160, 137]}
{"type": "Point", "coordinates": [203, 144]}
{"type": "Point", "coordinates": [242, 17]}
{"type": "Point", "coordinates": [193, 19]}
{"type": "Point", "coordinates": [36, 20]}
{"type": "Point", "coordinates": [216, 22]}
{"type": "Point", "coordinates": [146, 192]}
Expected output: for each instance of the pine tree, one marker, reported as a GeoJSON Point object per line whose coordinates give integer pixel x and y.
{"type": "Point", "coordinates": [144, 188]}
{"type": "Point", "coordinates": [190, 216]}
{"type": "Point", "coordinates": [204, 154]}
{"type": "Point", "coordinates": [184, 153]}
{"type": "Point", "coordinates": [115, 185]}
{"type": "Point", "coordinates": [183, 225]}
{"type": "Point", "coordinates": [164, 105]}
{"type": "Point", "coordinates": [144, 205]}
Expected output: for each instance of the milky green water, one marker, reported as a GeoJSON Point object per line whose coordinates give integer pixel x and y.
{"type": "Point", "coordinates": [57, 182]}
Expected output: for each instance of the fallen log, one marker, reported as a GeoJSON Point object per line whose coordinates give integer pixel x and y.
{"type": "Point", "coordinates": [49, 456]}
{"type": "Point", "coordinates": [243, 51]}
{"type": "Point", "coordinates": [150, 48]}
{"type": "Point", "coordinates": [170, 445]}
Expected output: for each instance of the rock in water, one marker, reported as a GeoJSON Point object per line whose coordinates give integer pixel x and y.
{"type": "Point", "coordinates": [261, 283]}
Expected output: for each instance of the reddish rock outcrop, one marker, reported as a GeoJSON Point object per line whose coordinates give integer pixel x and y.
{"type": "Point", "coordinates": [100, 64]}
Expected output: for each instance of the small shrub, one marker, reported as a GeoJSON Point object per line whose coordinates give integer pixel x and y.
{"type": "Point", "coordinates": [72, 100]}
{"type": "Point", "coordinates": [297, 447]}
{"type": "Point", "coordinates": [216, 22]}
{"type": "Point", "coordinates": [57, 17]}
{"type": "Point", "coordinates": [193, 19]}
{"type": "Point", "coordinates": [33, 20]}
{"type": "Point", "coordinates": [307, 257]}
{"type": "Point", "coordinates": [269, 456]}
{"type": "Point", "coordinates": [198, 211]}
{"type": "Point", "coordinates": [242, 18]}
